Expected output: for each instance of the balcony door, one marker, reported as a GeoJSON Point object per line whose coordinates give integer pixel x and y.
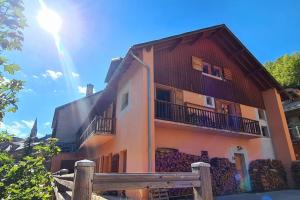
{"type": "Point", "coordinates": [164, 103]}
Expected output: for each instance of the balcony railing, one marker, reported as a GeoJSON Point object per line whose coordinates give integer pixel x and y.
{"type": "Point", "coordinates": [200, 117]}
{"type": "Point", "coordinates": [98, 126]}
{"type": "Point", "coordinates": [295, 133]}
{"type": "Point", "coordinates": [67, 147]}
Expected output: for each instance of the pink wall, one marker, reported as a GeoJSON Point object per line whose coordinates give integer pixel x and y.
{"type": "Point", "coordinates": [194, 140]}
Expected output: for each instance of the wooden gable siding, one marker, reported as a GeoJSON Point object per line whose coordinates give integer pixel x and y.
{"type": "Point", "coordinates": [174, 68]}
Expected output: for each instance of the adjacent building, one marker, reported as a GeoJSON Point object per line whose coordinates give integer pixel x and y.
{"type": "Point", "coordinates": [292, 112]}
{"type": "Point", "coordinates": [197, 91]}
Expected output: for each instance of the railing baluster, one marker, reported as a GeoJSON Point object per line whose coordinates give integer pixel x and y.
{"type": "Point", "coordinates": [179, 113]}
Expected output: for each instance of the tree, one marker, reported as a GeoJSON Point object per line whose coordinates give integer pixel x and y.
{"type": "Point", "coordinates": [27, 178]}
{"type": "Point", "coordinates": [12, 22]}
{"type": "Point", "coordinates": [286, 70]}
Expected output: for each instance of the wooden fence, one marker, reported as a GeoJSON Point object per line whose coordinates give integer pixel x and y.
{"type": "Point", "coordinates": [81, 184]}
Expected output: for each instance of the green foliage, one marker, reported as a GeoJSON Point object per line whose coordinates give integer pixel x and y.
{"type": "Point", "coordinates": [27, 178]}
{"type": "Point", "coordinates": [12, 22]}
{"type": "Point", "coordinates": [286, 70]}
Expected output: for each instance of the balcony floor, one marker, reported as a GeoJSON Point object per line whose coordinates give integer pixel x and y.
{"type": "Point", "coordinates": [178, 125]}
{"type": "Point", "coordinates": [96, 139]}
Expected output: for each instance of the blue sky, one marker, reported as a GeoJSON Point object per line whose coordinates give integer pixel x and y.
{"type": "Point", "coordinates": [94, 32]}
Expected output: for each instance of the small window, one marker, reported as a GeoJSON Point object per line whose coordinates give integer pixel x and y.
{"type": "Point", "coordinates": [209, 102]}
{"type": "Point", "coordinates": [206, 68]}
{"type": "Point", "coordinates": [216, 71]}
{"type": "Point", "coordinates": [124, 101]}
{"type": "Point", "coordinates": [264, 131]}
{"type": "Point", "coordinates": [261, 114]}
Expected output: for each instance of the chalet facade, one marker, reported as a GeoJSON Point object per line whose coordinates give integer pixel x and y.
{"type": "Point", "coordinates": [198, 91]}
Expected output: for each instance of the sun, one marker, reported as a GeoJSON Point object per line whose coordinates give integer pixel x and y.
{"type": "Point", "coordinates": [49, 20]}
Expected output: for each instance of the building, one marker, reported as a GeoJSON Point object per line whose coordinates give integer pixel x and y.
{"type": "Point", "coordinates": [292, 113]}
{"type": "Point", "coordinates": [197, 91]}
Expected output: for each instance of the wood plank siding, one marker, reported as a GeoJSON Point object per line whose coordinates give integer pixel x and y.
{"type": "Point", "coordinates": [173, 67]}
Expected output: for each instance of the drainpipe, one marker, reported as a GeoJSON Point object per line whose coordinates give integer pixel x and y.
{"type": "Point", "coordinates": [149, 109]}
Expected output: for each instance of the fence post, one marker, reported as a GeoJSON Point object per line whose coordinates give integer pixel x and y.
{"type": "Point", "coordinates": [83, 180]}
{"type": "Point", "coordinates": [205, 191]}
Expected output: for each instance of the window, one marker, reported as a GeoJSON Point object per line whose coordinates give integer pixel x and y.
{"type": "Point", "coordinates": [209, 102]}
{"type": "Point", "coordinates": [206, 68]}
{"type": "Point", "coordinates": [261, 114]}
{"type": "Point", "coordinates": [264, 131]}
{"type": "Point", "coordinates": [216, 71]}
{"type": "Point", "coordinates": [124, 101]}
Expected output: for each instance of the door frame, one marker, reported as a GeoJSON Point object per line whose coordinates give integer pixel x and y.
{"type": "Point", "coordinates": [243, 151]}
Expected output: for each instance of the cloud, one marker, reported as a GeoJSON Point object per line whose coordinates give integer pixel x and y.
{"type": "Point", "coordinates": [28, 123]}
{"type": "Point", "coordinates": [75, 75]}
{"type": "Point", "coordinates": [52, 74]}
{"type": "Point", "coordinates": [35, 76]}
{"type": "Point", "coordinates": [18, 128]}
{"type": "Point", "coordinates": [47, 124]}
{"type": "Point", "coordinates": [81, 89]}
{"type": "Point", "coordinates": [28, 90]}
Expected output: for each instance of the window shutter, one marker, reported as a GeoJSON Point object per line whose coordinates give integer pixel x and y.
{"type": "Point", "coordinates": [238, 111]}
{"type": "Point", "coordinates": [227, 74]}
{"type": "Point", "coordinates": [197, 63]}
{"type": "Point", "coordinates": [178, 97]}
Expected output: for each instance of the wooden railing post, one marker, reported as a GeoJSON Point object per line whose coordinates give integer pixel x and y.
{"type": "Point", "coordinates": [205, 191]}
{"type": "Point", "coordinates": [83, 180]}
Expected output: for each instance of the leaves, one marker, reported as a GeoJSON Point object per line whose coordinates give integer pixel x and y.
{"type": "Point", "coordinates": [11, 68]}
{"type": "Point", "coordinates": [27, 178]}
{"type": "Point", "coordinates": [286, 70]}
{"type": "Point", "coordinates": [12, 23]}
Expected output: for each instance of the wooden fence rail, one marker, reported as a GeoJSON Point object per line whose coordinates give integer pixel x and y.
{"type": "Point", "coordinates": [84, 181]}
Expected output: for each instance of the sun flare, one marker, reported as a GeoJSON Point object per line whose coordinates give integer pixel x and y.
{"type": "Point", "coordinates": [49, 20]}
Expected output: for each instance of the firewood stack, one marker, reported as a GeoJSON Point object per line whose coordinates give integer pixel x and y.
{"type": "Point", "coordinates": [223, 172]}
{"type": "Point", "coordinates": [267, 175]}
{"type": "Point", "coordinates": [223, 176]}
{"type": "Point", "coordinates": [295, 168]}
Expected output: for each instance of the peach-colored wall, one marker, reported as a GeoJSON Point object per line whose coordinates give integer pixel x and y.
{"type": "Point", "coordinates": [131, 123]}
{"type": "Point", "coordinates": [248, 112]}
{"type": "Point", "coordinates": [282, 143]}
{"type": "Point", "coordinates": [195, 140]}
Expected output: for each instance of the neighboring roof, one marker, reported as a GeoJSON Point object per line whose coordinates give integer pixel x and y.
{"type": "Point", "coordinates": [91, 98]}
{"type": "Point", "coordinates": [225, 38]}
{"type": "Point", "coordinates": [291, 105]}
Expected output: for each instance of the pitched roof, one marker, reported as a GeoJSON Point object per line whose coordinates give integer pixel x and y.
{"type": "Point", "coordinates": [227, 41]}
{"type": "Point", "coordinates": [87, 100]}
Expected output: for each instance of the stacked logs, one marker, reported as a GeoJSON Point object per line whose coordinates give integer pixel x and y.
{"type": "Point", "coordinates": [295, 168]}
{"type": "Point", "coordinates": [171, 160]}
{"type": "Point", "coordinates": [223, 172]}
{"type": "Point", "coordinates": [224, 179]}
{"type": "Point", "coordinates": [267, 175]}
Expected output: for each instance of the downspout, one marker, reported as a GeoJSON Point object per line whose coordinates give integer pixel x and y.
{"type": "Point", "coordinates": [149, 109]}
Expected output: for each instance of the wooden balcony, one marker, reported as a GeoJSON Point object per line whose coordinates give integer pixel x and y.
{"type": "Point", "coordinates": [203, 118]}
{"type": "Point", "coordinates": [99, 131]}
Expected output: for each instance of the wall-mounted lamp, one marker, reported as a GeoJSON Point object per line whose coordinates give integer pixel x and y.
{"type": "Point", "coordinates": [239, 148]}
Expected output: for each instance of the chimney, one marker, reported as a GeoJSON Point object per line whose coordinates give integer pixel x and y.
{"type": "Point", "coordinates": [89, 89]}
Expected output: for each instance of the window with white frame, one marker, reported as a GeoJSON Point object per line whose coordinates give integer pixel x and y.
{"type": "Point", "coordinates": [265, 131]}
{"type": "Point", "coordinates": [261, 114]}
{"type": "Point", "coordinates": [209, 102]}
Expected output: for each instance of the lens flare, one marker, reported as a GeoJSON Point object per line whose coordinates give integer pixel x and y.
{"type": "Point", "coordinates": [49, 20]}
